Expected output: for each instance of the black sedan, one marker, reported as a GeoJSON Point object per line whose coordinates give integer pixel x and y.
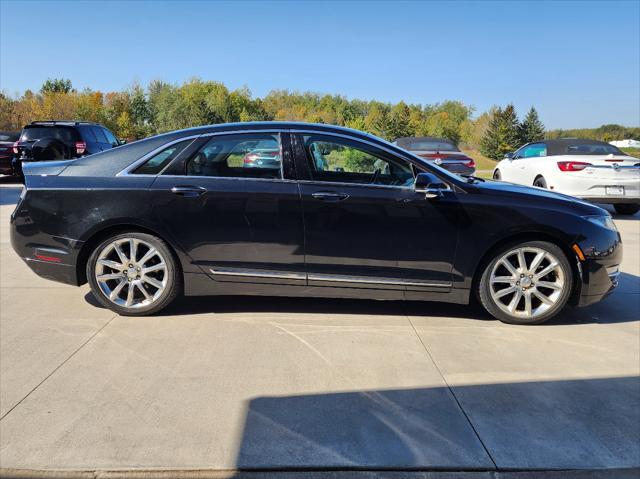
{"type": "Point", "coordinates": [344, 214]}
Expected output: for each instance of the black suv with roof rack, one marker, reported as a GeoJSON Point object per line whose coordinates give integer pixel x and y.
{"type": "Point", "coordinates": [60, 140]}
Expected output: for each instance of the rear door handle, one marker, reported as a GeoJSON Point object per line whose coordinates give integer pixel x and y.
{"type": "Point", "coordinates": [330, 196]}
{"type": "Point", "coordinates": [189, 190]}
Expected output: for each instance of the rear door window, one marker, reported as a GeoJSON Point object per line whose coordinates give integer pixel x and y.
{"type": "Point", "coordinates": [97, 131]}
{"type": "Point", "coordinates": [87, 134]}
{"type": "Point", "coordinates": [160, 160]}
{"type": "Point", "coordinates": [111, 139]}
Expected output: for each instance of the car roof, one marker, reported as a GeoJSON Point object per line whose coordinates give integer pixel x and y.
{"type": "Point", "coordinates": [559, 146]}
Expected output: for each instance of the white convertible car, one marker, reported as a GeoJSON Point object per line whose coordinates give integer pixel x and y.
{"type": "Point", "coordinates": [592, 170]}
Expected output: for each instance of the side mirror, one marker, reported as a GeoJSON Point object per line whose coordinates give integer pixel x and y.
{"type": "Point", "coordinates": [509, 156]}
{"type": "Point", "coordinates": [429, 184]}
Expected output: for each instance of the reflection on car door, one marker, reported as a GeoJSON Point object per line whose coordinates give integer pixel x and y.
{"type": "Point", "coordinates": [236, 223]}
{"type": "Point", "coordinates": [365, 227]}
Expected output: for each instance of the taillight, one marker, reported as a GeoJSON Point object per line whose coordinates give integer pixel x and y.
{"type": "Point", "coordinates": [573, 165]}
{"type": "Point", "coordinates": [81, 147]}
{"type": "Point", "coordinates": [15, 148]}
{"type": "Point", "coordinates": [250, 158]}
{"type": "Point", "coordinates": [470, 163]}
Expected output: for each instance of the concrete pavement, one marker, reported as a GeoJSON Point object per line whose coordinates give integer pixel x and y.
{"type": "Point", "coordinates": [243, 383]}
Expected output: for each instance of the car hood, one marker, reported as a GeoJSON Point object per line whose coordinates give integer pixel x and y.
{"type": "Point", "coordinates": [541, 197]}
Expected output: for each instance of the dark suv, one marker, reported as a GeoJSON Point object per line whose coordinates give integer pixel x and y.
{"type": "Point", "coordinates": [60, 140]}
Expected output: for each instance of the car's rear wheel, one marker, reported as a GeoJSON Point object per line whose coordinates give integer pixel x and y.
{"type": "Point", "coordinates": [540, 182]}
{"type": "Point", "coordinates": [526, 283]}
{"type": "Point", "coordinates": [626, 208]}
{"type": "Point", "coordinates": [134, 274]}
{"type": "Point", "coordinates": [497, 175]}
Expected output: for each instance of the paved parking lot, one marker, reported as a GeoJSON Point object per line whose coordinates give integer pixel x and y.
{"type": "Point", "coordinates": [243, 383]}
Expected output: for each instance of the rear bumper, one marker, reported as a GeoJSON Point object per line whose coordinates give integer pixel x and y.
{"type": "Point", "coordinates": [595, 189]}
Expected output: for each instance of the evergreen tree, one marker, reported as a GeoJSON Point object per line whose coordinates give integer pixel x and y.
{"type": "Point", "coordinates": [502, 133]}
{"type": "Point", "coordinates": [531, 129]}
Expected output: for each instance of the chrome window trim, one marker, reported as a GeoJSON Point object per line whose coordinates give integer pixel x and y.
{"type": "Point", "coordinates": [329, 278]}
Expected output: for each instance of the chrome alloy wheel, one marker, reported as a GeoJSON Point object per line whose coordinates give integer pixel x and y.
{"type": "Point", "coordinates": [526, 282]}
{"type": "Point", "coordinates": [131, 273]}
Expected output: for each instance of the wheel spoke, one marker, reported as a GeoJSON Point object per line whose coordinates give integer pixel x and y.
{"type": "Point", "coordinates": [110, 264]}
{"type": "Point", "coordinates": [548, 284]}
{"type": "Point", "coordinates": [152, 281]}
{"type": "Point", "coordinates": [522, 264]}
{"type": "Point", "coordinates": [536, 262]}
{"type": "Point", "coordinates": [515, 301]}
{"type": "Point", "coordinates": [542, 297]}
{"type": "Point", "coordinates": [141, 287]}
{"type": "Point", "coordinates": [506, 291]}
{"type": "Point", "coordinates": [121, 255]}
{"type": "Point", "coordinates": [502, 279]}
{"type": "Point", "coordinates": [107, 277]}
{"type": "Point", "coordinates": [509, 266]}
{"type": "Point", "coordinates": [133, 249]}
{"type": "Point", "coordinates": [527, 302]}
{"type": "Point", "coordinates": [155, 267]}
{"type": "Point", "coordinates": [547, 270]}
{"type": "Point", "coordinates": [148, 255]}
{"type": "Point", "coordinates": [114, 294]}
{"type": "Point", "coordinates": [130, 292]}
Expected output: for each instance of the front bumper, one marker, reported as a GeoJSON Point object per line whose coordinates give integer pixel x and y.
{"type": "Point", "coordinates": [600, 271]}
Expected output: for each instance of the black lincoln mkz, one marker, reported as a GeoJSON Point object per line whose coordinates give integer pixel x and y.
{"type": "Point", "coordinates": [335, 213]}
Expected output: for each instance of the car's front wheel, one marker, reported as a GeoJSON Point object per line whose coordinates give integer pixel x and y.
{"type": "Point", "coordinates": [626, 208]}
{"type": "Point", "coordinates": [134, 274]}
{"type": "Point", "coordinates": [526, 283]}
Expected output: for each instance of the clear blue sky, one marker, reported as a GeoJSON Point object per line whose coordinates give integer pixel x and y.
{"type": "Point", "coordinates": [577, 62]}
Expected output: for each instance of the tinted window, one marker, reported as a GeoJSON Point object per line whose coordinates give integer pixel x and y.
{"type": "Point", "coordinates": [534, 150]}
{"type": "Point", "coordinates": [87, 133]}
{"type": "Point", "coordinates": [157, 163]}
{"type": "Point", "coordinates": [9, 136]}
{"type": "Point", "coordinates": [99, 134]}
{"type": "Point", "coordinates": [62, 133]}
{"type": "Point", "coordinates": [426, 145]}
{"type": "Point", "coordinates": [110, 137]}
{"type": "Point", "coordinates": [238, 156]}
{"type": "Point", "coordinates": [343, 161]}
{"type": "Point", "coordinates": [593, 149]}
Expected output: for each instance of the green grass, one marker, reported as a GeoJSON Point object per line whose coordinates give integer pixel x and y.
{"type": "Point", "coordinates": [632, 151]}
{"type": "Point", "coordinates": [484, 165]}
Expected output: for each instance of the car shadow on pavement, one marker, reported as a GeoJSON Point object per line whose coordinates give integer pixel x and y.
{"type": "Point", "coordinates": [520, 425]}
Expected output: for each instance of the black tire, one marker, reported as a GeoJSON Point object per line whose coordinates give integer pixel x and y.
{"type": "Point", "coordinates": [172, 289]}
{"type": "Point", "coordinates": [496, 175]}
{"type": "Point", "coordinates": [540, 182]}
{"type": "Point", "coordinates": [626, 208]}
{"type": "Point", "coordinates": [488, 302]}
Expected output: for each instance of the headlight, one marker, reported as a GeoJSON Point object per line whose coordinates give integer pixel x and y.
{"type": "Point", "coordinates": [604, 221]}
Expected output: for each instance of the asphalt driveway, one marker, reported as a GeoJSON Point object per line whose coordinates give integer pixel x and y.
{"type": "Point", "coordinates": [265, 383]}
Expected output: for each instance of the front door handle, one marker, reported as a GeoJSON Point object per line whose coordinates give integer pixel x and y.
{"type": "Point", "coordinates": [330, 196]}
{"type": "Point", "coordinates": [189, 190]}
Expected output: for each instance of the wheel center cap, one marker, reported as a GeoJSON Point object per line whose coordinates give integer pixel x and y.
{"type": "Point", "coordinates": [132, 273]}
{"type": "Point", "coordinates": [525, 282]}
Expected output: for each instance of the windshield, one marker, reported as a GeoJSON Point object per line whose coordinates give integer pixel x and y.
{"type": "Point", "coordinates": [593, 149]}
{"type": "Point", "coordinates": [64, 134]}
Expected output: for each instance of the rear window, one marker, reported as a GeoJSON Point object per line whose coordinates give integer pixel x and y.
{"type": "Point", "coordinates": [62, 133]}
{"type": "Point", "coordinates": [593, 149]}
{"type": "Point", "coordinates": [426, 145]}
{"type": "Point", "coordinates": [9, 136]}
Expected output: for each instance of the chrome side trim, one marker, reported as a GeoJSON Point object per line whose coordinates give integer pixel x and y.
{"type": "Point", "coordinates": [367, 280]}
{"type": "Point", "coordinates": [258, 273]}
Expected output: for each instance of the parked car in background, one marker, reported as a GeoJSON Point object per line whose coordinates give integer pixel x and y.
{"type": "Point", "coordinates": [589, 169]}
{"type": "Point", "coordinates": [7, 139]}
{"type": "Point", "coordinates": [345, 215]}
{"type": "Point", "coordinates": [264, 155]}
{"type": "Point", "coordinates": [60, 140]}
{"type": "Point", "coordinates": [441, 151]}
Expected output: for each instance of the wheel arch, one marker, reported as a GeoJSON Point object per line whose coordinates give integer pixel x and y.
{"type": "Point", "coordinates": [522, 238]}
{"type": "Point", "coordinates": [111, 230]}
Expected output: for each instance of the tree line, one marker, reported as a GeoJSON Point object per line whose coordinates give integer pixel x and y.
{"type": "Point", "coordinates": [138, 112]}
